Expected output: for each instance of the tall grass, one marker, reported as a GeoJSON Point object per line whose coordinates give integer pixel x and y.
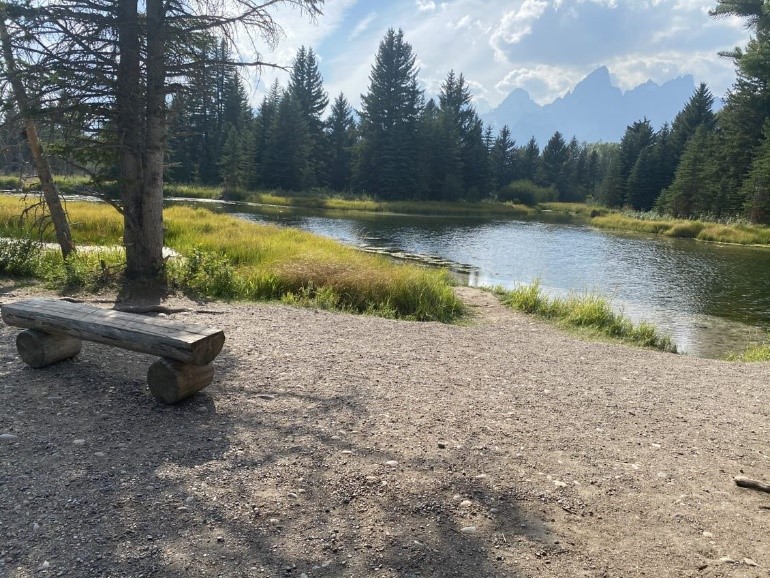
{"type": "Point", "coordinates": [754, 353]}
{"type": "Point", "coordinates": [739, 233]}
{"type": "Point", "coordinates": [231, 258]}
{"type": "Point", "coordinates": [587, 313]}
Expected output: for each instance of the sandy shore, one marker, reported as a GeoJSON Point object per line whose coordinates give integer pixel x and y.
{"type": "Point", "coordinates": [339, 445]}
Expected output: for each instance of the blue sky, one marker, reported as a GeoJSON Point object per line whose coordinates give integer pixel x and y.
{"type": "Point", "coordinates": [543, 46]}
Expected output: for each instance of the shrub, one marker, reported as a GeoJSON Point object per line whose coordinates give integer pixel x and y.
{"type": "Point", "coordinates": [19, 257]}
{"type": "Point", "coordinates": [526, 193]}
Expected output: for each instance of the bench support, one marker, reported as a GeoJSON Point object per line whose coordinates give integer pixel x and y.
{"type": "Point", "coordinates": [39, 349]}
{"type": "Point", "coordinates": [171, 381]}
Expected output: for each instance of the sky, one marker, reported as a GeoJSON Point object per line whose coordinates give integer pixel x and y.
{"type": "Point", "coordinates": [543, 46]}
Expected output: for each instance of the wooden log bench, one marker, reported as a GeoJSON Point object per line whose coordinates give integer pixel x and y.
{"type": "Point", "coordinates": [54, 331]}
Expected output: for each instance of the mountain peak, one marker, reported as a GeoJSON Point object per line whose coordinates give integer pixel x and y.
{"type": "Point", "coordinates": [594, 110]}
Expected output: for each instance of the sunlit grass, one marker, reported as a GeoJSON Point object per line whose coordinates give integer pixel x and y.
{"type": "Point", "coordinates": [231, 258]}
{"type": "Point", "coordinates": [754, 353]}
{"type": "Point", "coordinates": [739, 233]}
{"type": "Point", "coordinates": [587, 313]}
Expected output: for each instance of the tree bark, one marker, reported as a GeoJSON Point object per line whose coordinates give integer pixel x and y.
{"type": "Point", "coordinates": [141, 194]}
{"type": "Point", "coordinates": [50, 191]}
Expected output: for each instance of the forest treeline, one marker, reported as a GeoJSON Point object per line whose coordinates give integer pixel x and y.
{"type": "Point", "coordinates": [400, 145]}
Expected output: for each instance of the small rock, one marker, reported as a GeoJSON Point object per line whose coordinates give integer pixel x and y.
{"type": "Point", "coordinates": [265, 396]}
{"type": "Point", "coordinates": [99, 454]}
{"type": "Point", "coordinates": [372, 479]}
{"type": "Point", "coordinates": [391, 463]}
{"type": "Point", "coordinates": [750, 562]}
{"type": "Point", "coordinates": [559, 484]}
{"type": "Point", "coordinates": [7, 436]}
{"type": "Point", "coordinates": [457, 497]}
{"type": "Point", "coordinates": [468, 530]}
{"type": "Point", "coordinates": [303, 575]}
{"type": "Point", "coordinates": [708, 535]}
{"type": "Point", "coordinates": [220, 539]}
{"type": "Point", "coordinates": [442, 445]}
{"type": "Point", "coordinates": [336, 438]}
{"type": "Point", "coordinates": [727, 560]}
{"type": "Point", "coordinates": [292, 495]}
{"type": "Point", "coordinates": [482, 477]}
{"type": "Point", "coordinates": [181, 509]}
{"type": "Point", "coordinates": [189, 499]}
{"type": "Point", "coordinates": [466, 504]}
{"type": "Point", "coordinates": [347, 452]}
{"type": "Point", "coordinates": [273, 521]}
{"type": "Point", "coordinates": [149, 537]}
{"type": "Point", "coordinates": [45, 565]}
{"type": "Point", "coordinates": [35, 527]}
{"type": "Point", "coordinates": [79, 442]}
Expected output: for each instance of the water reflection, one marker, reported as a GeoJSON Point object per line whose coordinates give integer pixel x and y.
{"type": "Point", "coordinates": [710, 298]}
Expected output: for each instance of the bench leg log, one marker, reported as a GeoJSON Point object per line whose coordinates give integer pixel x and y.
{"type": "Point", "coordinates": [39, 349]}
{"type": "Point", "coordinates": [171, 381]}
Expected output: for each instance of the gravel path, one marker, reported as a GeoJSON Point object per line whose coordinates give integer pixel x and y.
{"type": "Point", "coordinates": [339, 445]}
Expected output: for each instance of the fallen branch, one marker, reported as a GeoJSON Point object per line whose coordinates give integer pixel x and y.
{"type": "Point", "coordinates": [744, 482]}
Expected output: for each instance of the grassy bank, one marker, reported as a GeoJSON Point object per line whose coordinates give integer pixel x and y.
{"type": "Point", "coordinates": [754, 353]}
{"type": "Point", "coordinates": [588, 314]}
{"type": "Point", "coordinates": [738, 233]}
{"type": "Point", "coordinates": [233, 259]}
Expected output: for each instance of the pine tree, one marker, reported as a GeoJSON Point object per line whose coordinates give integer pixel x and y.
{"type": "Point", "coordinates": [340, 129]}
{"type": "Point", "coordinates": [286, 163]}
{"type": "Point", "coordinates": [387, 154]}
{"type": "Point", "coordinates": [554, 168]}
{"type": "Point", "coordinates": [693, 190]}
{"type": "Point", "coordinates": [502, 159]}
{"type": "Point", "coordinates": [306, 88]}
{"type": "Point", "coordinates": [757, 184]}
{"type": "Point", "coordinates": [530, 160]}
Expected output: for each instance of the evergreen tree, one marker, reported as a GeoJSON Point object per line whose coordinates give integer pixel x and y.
{"type": "Point", "coordinates": [306, 88]}
{"type": "Point", "coordinates": [390, 110]}
{"type": "Point", "coordinates": [286, 163]}
{"type": "Point", "coordinates": [693, 191]}
{"type": "Point", "coordinates": [637, 137]}
{"type": "Point", "coordinates": [530, 160]}
{"type": "Point", "coordinates": [554, 168]}
{"type": "Point", "coordinates": [340, 129]}
{"type": "Point", "coordinates": [502, 159]}
{"type": "Point", "coordinates": [757, 184]}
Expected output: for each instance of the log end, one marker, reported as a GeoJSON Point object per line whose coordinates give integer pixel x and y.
{"type": "Point", "coordinates": [39, 349]}
{"type": "Point", "coordinates": [171, 381]}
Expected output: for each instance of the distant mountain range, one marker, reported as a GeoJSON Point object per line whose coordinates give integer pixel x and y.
{"type": "Point", "coordinates": [593, 111]}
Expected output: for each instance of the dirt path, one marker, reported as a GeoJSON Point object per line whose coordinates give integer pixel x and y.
{"type": "Point", "coordinates": [338, 445]}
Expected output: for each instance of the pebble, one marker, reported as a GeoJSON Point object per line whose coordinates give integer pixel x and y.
{"type": "Point", "coordinates": [99, 454]}
{"type": "Point", "coordinates": [442, 445]}
{"type": "Point", "coordinates": [559, 484]}
{"type": "Point", "coordinates": [727, 560]}
{"type": "Point", "coordinates": [265, 396]}
{"type": "Point", "coordinates": [708, 535]}
{"type": "Point", "coordinates": [303, 575]}
{"type": "Point", "coordinates": [466, 504]}
{"type": "Point", "coordinates": [35, 527]}
{"type": "Point", "coordinates": [45, 565]}
{"type": "Point", "coordinates": [347, 452]}
{"type": "Point", "coordinates": [220, 539]}
{"type": "Point", "coordinates": [292, 495]}
{"type": "Point", "coordinates": [79, 442]}
{"type": "Point", "coordinates": [482, 477]}
{"type": "Point", "coordinates": [468, 530]}
{"type": "Point", "coordinates": [391, 463]}
{"type": "Point", "coordinates": [7, 436]}
{"type": "Point", "coordinates": [750, 562]}
{"type": "Point", "coordinates": [189, 499]}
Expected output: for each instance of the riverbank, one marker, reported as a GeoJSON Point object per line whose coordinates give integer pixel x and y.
{"type": "Point", "coordinates": [735, 232]}
{"type": "Point", "coordinates": [335, 445]}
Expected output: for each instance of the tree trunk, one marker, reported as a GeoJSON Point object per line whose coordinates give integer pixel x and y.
{"type": "Point", "coordinates": [142, 205]}
{"type": "Point", "coordinates": [50, 192]}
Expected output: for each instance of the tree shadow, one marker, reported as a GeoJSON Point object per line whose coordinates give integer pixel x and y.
{"type": "Point", "coordinates": [102, 479]}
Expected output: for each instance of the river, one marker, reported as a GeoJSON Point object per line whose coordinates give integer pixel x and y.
{"type": "Point", "coordinates": [712, 299]}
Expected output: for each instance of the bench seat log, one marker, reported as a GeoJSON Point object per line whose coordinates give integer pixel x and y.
{"type": "Point", "coordinates": [54, 330]}
{"type": "Point", "coordinates": [191, 344]}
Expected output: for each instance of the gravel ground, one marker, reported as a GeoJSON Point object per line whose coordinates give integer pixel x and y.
{"type": "Point", "coordinates": [339, 445]}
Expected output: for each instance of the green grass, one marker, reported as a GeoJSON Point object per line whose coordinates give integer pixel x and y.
{"type": "Point", "coordinates": [738, 233]}
{"type": "Point", "coordinates": [589, 314]}
{"type": "Point", "coordinates": [230, 258]}
{"type": "Point", "coordinates": [754, 353]}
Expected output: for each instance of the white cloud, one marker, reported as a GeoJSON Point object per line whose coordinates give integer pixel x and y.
{"type": "Point", "coordinates": [362, 25]}
{"type": "Point", "coordinates": [425, 5]}
{"type": "Point", "coordinates": [544, 83]}
{"type": "Point", "coordinates": [516, 24]}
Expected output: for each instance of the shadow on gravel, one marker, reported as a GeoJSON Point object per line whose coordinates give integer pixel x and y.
{"type": "Point", "coordinates": [101, 480]}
